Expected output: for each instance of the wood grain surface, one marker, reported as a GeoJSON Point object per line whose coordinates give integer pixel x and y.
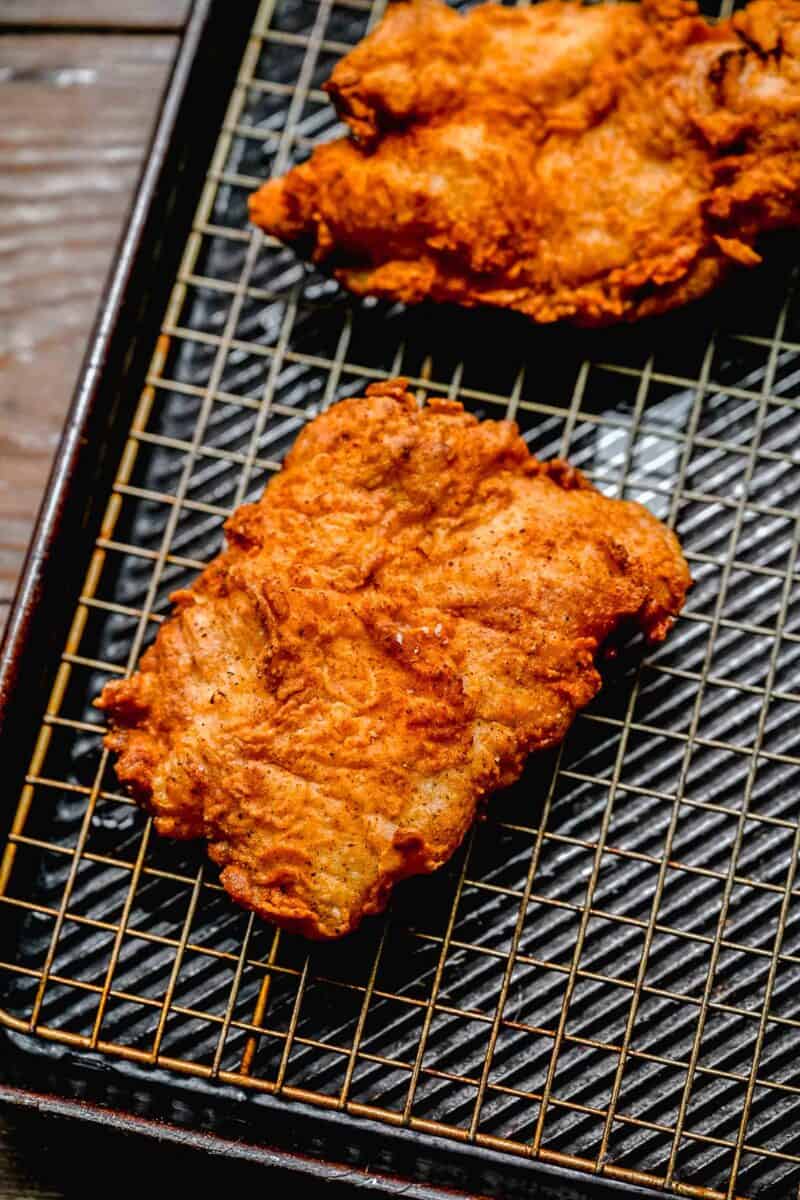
{"type": "Point", "coordinates": [77, 114]}
{"type": "Point", "coordinates": [112, 14]}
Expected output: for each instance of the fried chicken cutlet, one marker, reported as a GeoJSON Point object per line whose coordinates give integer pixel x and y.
{"type": "Point", "coordinates": [594, 164]}
{"type": "Point", "coordinates": [413, 607]}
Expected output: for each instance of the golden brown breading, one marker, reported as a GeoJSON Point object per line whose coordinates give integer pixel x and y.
{"type": "Point", "coordinates": [413, 606]}
{"type": "Point", "coordinates": [594, 164]}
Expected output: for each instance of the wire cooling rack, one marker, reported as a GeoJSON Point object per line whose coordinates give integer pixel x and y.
{"type": "Point", "coordinates": [607, 976]}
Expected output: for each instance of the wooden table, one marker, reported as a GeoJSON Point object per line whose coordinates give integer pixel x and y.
{"type": "Point", "coordinates": [45, 1159]}
{"type": "Point", "coordinates": [80, 82]}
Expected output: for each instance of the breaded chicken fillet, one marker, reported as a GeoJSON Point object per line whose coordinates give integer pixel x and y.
{"type": "Point", "coordinates": [594, 164]}
{"type": "Point", "coordinates": [413, 607]}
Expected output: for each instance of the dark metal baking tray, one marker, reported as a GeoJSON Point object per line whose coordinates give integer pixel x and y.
{"type": "Point", "coordinates": [601, 990]}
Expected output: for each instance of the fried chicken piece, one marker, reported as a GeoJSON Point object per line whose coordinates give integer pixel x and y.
{"type": "Point", "coordinates": [595, 164]}
{"type": "Point", "coordinates": [414, 605]}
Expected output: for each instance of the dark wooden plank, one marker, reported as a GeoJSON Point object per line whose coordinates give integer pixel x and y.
{"type": "Point", "coordinates": [42, 1158]}
{"type": "Point", "coordinates": [112, 14]}
{"type": "Point", "coordinates": [18, 1178]}
{"type": "Point", "coordinates": [77, 113]}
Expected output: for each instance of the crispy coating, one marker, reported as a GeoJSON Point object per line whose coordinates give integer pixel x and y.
{"type": "Point", "coordinates": [594, 164]}
{"type": "Point", "coordinates": [413, 606]}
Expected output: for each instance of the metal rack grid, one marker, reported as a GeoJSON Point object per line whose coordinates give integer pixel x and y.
{"type": "Point", "coordinates": [606, 976]}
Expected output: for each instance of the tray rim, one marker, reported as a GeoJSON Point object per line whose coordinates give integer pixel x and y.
{"type": "Point", "coordinates": [542, 1179]}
